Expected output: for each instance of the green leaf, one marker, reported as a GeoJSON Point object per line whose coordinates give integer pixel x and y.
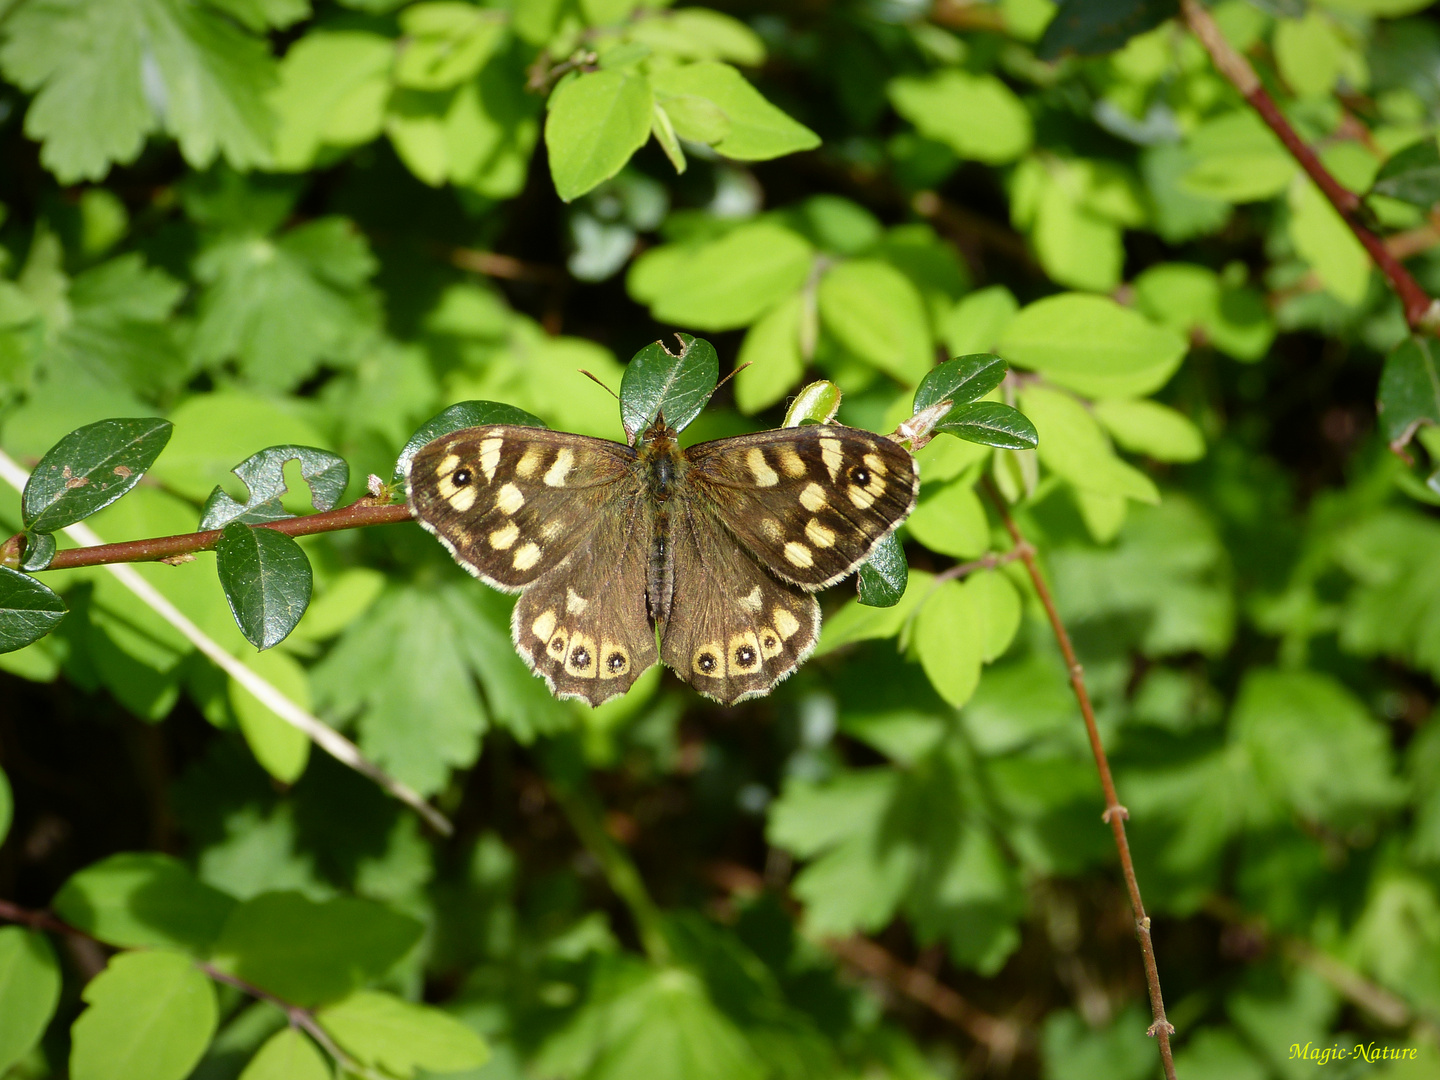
{"type": "Point", "coordinates": [951, 520]}
{"type": "Point", "coordinates": [597, 120]}
{"type": "Point", "coordinates": [991, 423]}
{"type": "Point", "coordinates": [974, 325]}
{"type": "Point", "coordinates": [39, 551]}
{"type": "Point", "coordinates": [859, 622]}
{"type": "Point", "coordinates": [1092, 345]}
{"type": "Point", "coordinates": [658, 381]}
{"type": "Point", "coordinates": [28, 610]}
{"type": "Point", "coordinates": [1147, 427]}
{"type": "Point", "coordinates": [1412, 175]}
{"type": "Point", "coordinates": [1409, 394]}
{"type": "Point", "coordinates": [7, 805]}
{"type": "Point", "coordinates": [723, 284]}
{"type": "Point", "coordinates": [105, 76]}
{"type": "Point", "coordinates": [949, 642]}
{"type": "Point", "coordinates": [1236, 157]}
{"type": "Point", "coordinates": [462, 414]}
{"type": "Point", "coordinates": [977, 116]}
{"type": "Point", "coordinates": [1073, 446]}
{"type": "Point", "coordinates": [884, 575]}
{"type": "Point", "coordinates": [1326, 242]}
{"type": "Point", "coordinates": [876, 313]}
{"type": "Point", "coordinates": [263, 475]}
{"type": "Point", "coordinates": [144, 900]}
{"type": "Point", "coordinates": [446, 43]}
{"type": "Point", "coordinates": [1189, 298]}
{"type": "Point", "coordinates": [755, 130]}
{"type": "Point", "coordinates": [1311, 54]}
{"type": "Point", "coordinates": [962, 380]}
{"type": "Point", "coordinates": [89, 469]}
{"type": "Point", "coordinates": [281, 748]}
{"type": "Point", "coordinates": [332, 92]}
{"type": "Point", "coordinates": [309, 953]}
{"type": "Point", "coordinates": [997, 609]}
{"type": "Point", "coordinates": [267, 581]}
{"type": "Point", "coordinates": [817, 402]}
{"type": "Point", "coordinates": [288, 1055]}
{"type": "Point", "coordinates": [1093, 27]}
{"type": "Point", "coordinates": [151, 1016]}
{"type": "Point", "coordinates": [771, 350]}
{"type": "Point", "coordinates": [384, 1032]}
{"type": "Point", "coordinates": [29, 990]}
{"type": "Point", "coordinates": [1079, 1051]}
{"type": "Point", "coordinates": [699, 34]}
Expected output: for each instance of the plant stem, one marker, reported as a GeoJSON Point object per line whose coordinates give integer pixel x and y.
{"type": "Point", "coordinates": [1421, 312]}
{"type": "Point", "coordinates": [1115, 814]}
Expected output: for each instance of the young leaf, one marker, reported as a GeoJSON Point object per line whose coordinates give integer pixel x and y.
{"type": "Point", "coordinates": [881, 582]}
{"type": "Point", "coordinates": [817, 402]}
{"type": "Point", "coordinates": [962, 380]}
{"type": "Point", "coordinates": [1147, 427]}
{"type": "Point", "coordinates": [267, 581]}
{"type": "Point", "coordinates": [144, 900]}
{"type": "Point", "coordinates": [28, 610]}
{"type": "Point", "coordinates": [948, 639]}
{"type": "Point", "coordinates": [977, 116]}
{"type": "Point", "coordinates": [755, 130]}
{"type": "Point", "coordinates": [263, 474]}
{"type": "Point", "coordinates": [677, 384]}
{"type": "Point", "coordinates": [151, 1016]}
{"type": "Point", "coordinates": [1092, 27]}
{"type": "Point", "coordinates": [387, 1033]}
{"type": "Point", "coordinates": [39, 550]}
{"type": "Point", "coordinates": [877, 314]}
{"type": "Point", "coordinates": [462, 414]}
{"type": "Point", "coordinates": [1409, 390]}
{"type": "Point", "coordinates": [770, 360]}
{"type": "Point", "coordinates": [29, 990]}
{"type": "Point", "coordinates": [991, 423]}
{"type": "Point", "coordinates": [310, 952]}
{"type": "Point", "coordinates": [288, 1055]}
{"type": "Point", "coordinates": [89, 469]}
{"type": "Point", "coordinates": [597, 121]}
{"type": "Point", "coordinates": [1412, 175]}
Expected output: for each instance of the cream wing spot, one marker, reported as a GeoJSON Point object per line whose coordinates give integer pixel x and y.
{"type": "Point", "coordinates": [614, 660]}
{"type": "Point", "coordinates": [544, 626]}
{"type": "Point", "coordinates": [832, 455]}
{"type": "Point", "coordinates": [812, 498]}
{"type": "Point", "coordinates": [529, 462]}
{"type": "Point", "coordinates": [744, 652]}
{"type": "Point", "coordinates": [877, 465]}
{"type": "Point", "coordinates": [551, 529]}
{"type": "Point", "coordinates": [447, 466]}
{"type": "Point", "coordinates": [860, 497]}
{"type": "Point", "coordinates": [786, 623]}
{"type": "Point", "coordinates": [751, 601]}
{"type": "Point", "coordinates": [818, 534]}
{"type": "Point", "coordinates": [509, 500]}
{"type": "Point", "coordinates": [560, 468]}
{"type": "Point", "coordinates": [490, 456]}
{"type": "Point", "coordinates": [575, 604]}
{"type": "Point", "coordinates": [526, 556]}
{"type": "Point", "coordinates": [504, 537]}
{"type": "Point", "coordinates": [773, 530]}
{"type": "Point", "coordinates": [764, 475]}
{"type": "Point", "coordinates": [791, 464]}
{"type": "Point", "coordinates": [709, 660]}
{"type": "Point", "coordinates": [462, 500]}
{"type": "Point", "coordinates": [799, 555]}
{"type": "Point", "coordinates": [770, 643]}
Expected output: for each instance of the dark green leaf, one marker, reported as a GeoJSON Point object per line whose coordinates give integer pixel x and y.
{"type": "Point", "coordinates": [676, 384]}
{"type": "Point", "coordinates": [1412, 175]}
{"type": "Point", "coordinates": [39, 550]}
{"type": "Point", "coordinates": [28, 610]}
{"type": "Point", "coordinates": [143, 899]}
{"type": "Point", "coordinates": [267, 581]}
{"type": "Point", "coordinates": [29, 990]}
{"type": "Point", "coordinates": [1092, 27]}
{"type": "Point", "coordinates": [1409, 392]}
{"type": "Point", "coordinates": [308, 952]}
{"type": "Point", "coordinates": [89, 469]}
{"type": "Point", "coordinates": [264, 477]}
{"type": "Point", "coordinates": [462, 414]}
{"type": "Point", "coordinates": [882, 579]}
{"type": "Point", "coordinates": [991, 423]}
{"type": "Point", "coordinates": [962, 380]}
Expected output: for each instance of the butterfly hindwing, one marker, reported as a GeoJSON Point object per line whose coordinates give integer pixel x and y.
{"type": "Point", "coordinates": [810, 502]}
{"type": "Point", "coordinates": [512, 502]}
{"type": "Point", "coordinates": [733, 631]}
{"type": "Point", "coordinates": [583, 627]}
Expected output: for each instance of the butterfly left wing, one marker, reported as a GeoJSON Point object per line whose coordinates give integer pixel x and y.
{"type": "Point", "coordinates": [732, 631]}
{"type": "Point", "coordinates": [811, 502]}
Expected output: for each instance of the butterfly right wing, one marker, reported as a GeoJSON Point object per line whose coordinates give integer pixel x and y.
{"type": "Point", "coordinates": [512, 502]}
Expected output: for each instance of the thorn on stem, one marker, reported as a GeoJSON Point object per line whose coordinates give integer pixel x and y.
{"type": "Point", "coordinates": [1115, 811]}
{"type": "Point", "coordinates": [1159, 1026]}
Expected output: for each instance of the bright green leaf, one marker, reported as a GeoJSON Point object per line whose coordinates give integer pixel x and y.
{"type": "Point", "coordinates": [385, 1032]}
{"type": "Point", "coordinates": [29, 990]}
{"type": "Point", "coordinates": [1325, 241]}
{"type": "Point", "coordinates": [446, 43]}
{"type": "Point", "coordinates": [977, 116]}
{"type": "Point", "coordinates": [1073, 446]}
{"type": "Point", "coordinates": [1237, 158]}
{"type": "Point", "coordinates": [951, 520]}
{"type": "Point", "coordinates": [1147, 427]}
{"type": "Point", "coordinates": [948, 638]}
{"type": "Point", "coordinates": [281, 748]}
{"type": "Point", "coordinates": [332, 92]}
{"type": "Point", "coordinates": [756, 129]}
{"type": "Point", "coordinates": [597, 121]}
{"type": "Point", "coordinates": [876, 313]}
{"type": "Point", "coordinates": [288, 1055]}
{"type": "Point", "coordinates": [772, 350]}
{"type": "Point", "coordinates": [144, 900]}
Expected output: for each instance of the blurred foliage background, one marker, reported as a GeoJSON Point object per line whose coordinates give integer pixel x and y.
{"type": "Point", "coordinates": [278, 222]}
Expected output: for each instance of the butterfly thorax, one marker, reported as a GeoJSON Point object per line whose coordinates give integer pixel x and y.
{"type": "Point", "coordinates": [663, 467]}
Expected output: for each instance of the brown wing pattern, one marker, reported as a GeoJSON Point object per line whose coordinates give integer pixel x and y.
{"type": "Point", "coordinates": [584, 627]}
{"type": "Point", "coordinates": [512, 502]}
{"type": "Point", "coordinates": [810, 502]}
{"type": "Point", "coordinates": [733, 631]}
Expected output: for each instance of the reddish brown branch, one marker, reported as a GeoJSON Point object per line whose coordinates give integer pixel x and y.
{"type": "Point", "coordinates": [1115, 814]}
{"type": "Point", "coordinates": [354, 516]}
{"type": "Point", "coordinates": [1421, 312]}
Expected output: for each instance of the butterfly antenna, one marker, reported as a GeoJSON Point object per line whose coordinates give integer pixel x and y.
{"type": "Point", "coordinates": [597, 382]}
{"type": "Point", "coordinates": [732, 374]}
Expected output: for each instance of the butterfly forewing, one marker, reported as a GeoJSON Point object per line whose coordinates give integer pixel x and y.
{"type": "Point", "coordinates": [811, 503]}
{"type": "Point", "coordinates": [732, 631]}
{"type": "Point", "coordinates": [512, 502]}
{"type": "Point", "coordinates": [584, 627]}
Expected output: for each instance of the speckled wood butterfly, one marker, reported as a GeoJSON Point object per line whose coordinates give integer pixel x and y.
{"type": "Point", "coordinates": [704, 557]}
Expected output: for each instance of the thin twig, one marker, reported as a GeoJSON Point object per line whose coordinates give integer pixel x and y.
{"type": "Point", "coordinates": [1115, 814]}
{"type": "Point", "coordinates": [319, 732]}
{"type": "Point", "coordinates": [1421, 312]}
{"type": "Point", "coordinates": [493, 264]}
{"type": "Point", "coordinates": [991, 561]}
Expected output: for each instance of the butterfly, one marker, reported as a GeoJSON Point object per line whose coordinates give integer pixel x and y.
{"type": "Point", "coordinates": [704, 557]}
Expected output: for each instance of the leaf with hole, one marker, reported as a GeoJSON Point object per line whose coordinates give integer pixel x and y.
{"type": "Point", "coordinates": [677, 384]}
{"type": "Point", "coordinates": [264, 477]}
{"type": "Point", "coordinates": [89, 469]}
{"type": "Point", "coordinates": [28, 610]}
{"type": "Point", "coordinates": [267, 581]}
{"type": "Point", "coordinates": [462, 414]}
